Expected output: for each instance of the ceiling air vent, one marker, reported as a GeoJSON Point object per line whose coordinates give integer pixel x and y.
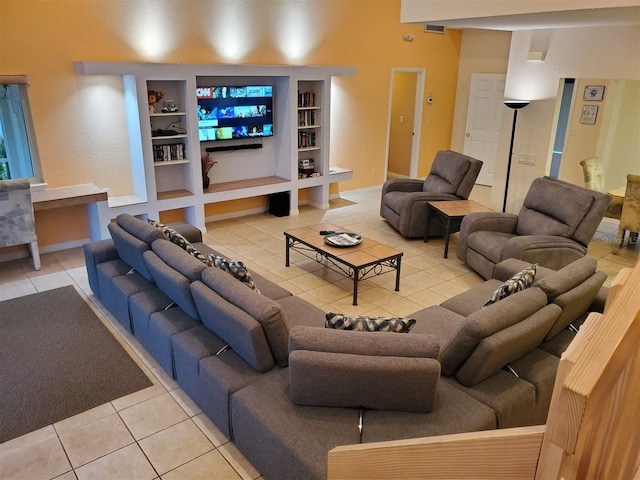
{"type": "Point", "coordinates": [433, 28]}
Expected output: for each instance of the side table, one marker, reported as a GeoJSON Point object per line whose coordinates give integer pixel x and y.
{"type": "Point", "coordinates": [450, 214]}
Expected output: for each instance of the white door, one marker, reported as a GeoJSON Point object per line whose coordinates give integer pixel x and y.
{"type": "Point", "coordinates": [484, 116]}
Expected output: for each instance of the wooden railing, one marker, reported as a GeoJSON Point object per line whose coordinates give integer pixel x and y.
{"type": "Point", "coordinates": [592, 430]}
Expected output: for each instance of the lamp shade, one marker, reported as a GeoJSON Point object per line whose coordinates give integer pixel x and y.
{"type": "Point", "coordinates": [516, 104]}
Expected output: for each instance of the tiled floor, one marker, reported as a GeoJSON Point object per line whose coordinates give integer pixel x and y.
{"type": "Point", "coordinates": [159, 432]}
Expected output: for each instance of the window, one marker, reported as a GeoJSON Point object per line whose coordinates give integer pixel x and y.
{"type": "Point", "coordinates": [18, 154]}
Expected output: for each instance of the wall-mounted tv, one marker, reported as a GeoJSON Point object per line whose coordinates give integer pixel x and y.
{"type": "Point", "coordinates": [231, 112]}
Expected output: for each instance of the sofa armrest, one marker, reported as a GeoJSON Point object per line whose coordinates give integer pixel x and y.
{"type": "Point", "coordinates": [551, 251]}
{"type": "Point", "coordinates": [96, 253]}
{"type": "Point", "coordinates": [376, 370]}
{"type": "Point", "coordinates": [484, 221]}
{"type": "Point", "coordinates": [188, 231]}
{"type": "Point", "coordinates": [507, 268]}
{"type": "Point", "coordinates": [402, 185]}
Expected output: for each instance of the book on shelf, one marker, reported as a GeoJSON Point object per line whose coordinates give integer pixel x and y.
{"type": "Point", "coordinates": [306, 139]}
{"type": "Point", "coordinates": [166, 153]}
{"type": "Point", "coordinates": [306, 99]}
{"type": "Point", "coordinates": [306, 118]}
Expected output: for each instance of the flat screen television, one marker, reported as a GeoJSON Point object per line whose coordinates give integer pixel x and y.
{"type": "Point", "coordinates": [231, 112]}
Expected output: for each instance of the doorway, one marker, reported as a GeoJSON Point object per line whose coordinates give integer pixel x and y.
{"type": "Point", "coordinates": [484, 118]}
{"type": "Point", "coordinates": [404, 122]}
{"type": "Point", "coordinates": [561, 128]}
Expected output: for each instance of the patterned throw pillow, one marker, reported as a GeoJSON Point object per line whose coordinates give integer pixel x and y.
{"type": "Point", "coordinates": [368, 324]}
{"type": "Point", "coordinates": [176, 237]}
{"type": "Point", "coordinates": [237, 269]}
{"type": "Point", "coordinates": [518, 282]}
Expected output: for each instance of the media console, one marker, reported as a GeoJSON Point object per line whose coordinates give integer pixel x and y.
{"type": "Point", "coordinates": [166, 171]}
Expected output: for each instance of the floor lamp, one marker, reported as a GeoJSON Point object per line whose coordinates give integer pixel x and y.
{"type": "Point", "coordinates": [515, 105]}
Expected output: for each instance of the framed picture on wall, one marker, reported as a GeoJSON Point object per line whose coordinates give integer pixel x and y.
{"type": "Point", "coordinates": [594, 93]}
{"type": "Point", "coordinates": [589, 114]}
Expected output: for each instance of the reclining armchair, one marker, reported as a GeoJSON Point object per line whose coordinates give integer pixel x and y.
{"type": "Point", "coordinates": [404, 200]}
{"type": "Point", "coordinates": [555, 224]}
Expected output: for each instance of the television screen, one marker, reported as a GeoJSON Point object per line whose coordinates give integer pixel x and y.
{"type": "Point", "coordinates": [227, 113]}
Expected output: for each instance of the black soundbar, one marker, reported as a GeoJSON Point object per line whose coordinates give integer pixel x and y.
{"type": "Point", "coordinates": [227, 148]}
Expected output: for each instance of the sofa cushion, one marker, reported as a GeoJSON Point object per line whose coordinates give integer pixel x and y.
{"type": "Point", "coordinates": [174, 257]}
{"type": "Point", "coordinates": [486, 322]}
{"type": "Point", "coordinates": [576, 302]}
{"type": "Point", "coordinates": [454, 411]}
{"type": "Point", "coordinates": [471, 300]}
{"type": "Point", "coordinates": [561, 217]}
{"type": "Point", "coordinates": [365, 323]}
{"type": "Point", "coordinates": [491, 244]}
{"type": "Point", "coordinates": [566, 278]}
{"type": "Point", "coordinates": [138, 228]}
{"type": "Point", "coordinates": [445, 176]}
{"type": "Point", "coordinates": [235, 268]}
{"type": "Point", "coordinates": [232, 308]}
{"type": "Point", "coordinates": [507, 345]}
{"type": "Point", "coordinates": [130, 249]}
{"type": "Point", "coordinates": [517, 283]}
{"type": "Point", "coordinates": [174, 271]}
{"type": "Point", "coordinates": [360, 369]}
{"type": "Point", "coordinates": [233, 325]}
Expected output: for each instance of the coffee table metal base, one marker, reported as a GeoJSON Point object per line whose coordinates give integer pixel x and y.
{"type": "Point", "coordinates": [356, 263]}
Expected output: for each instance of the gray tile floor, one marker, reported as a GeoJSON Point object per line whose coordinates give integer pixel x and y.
{"type": "Point", "coordinates": [159, 432]}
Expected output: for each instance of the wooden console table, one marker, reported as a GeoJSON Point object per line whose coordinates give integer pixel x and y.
{"type": "Point", "coordinates": [67, 196]}
{"type": "Point", "coordinates": [64, 197]}
{"type": "Point", "coordinates": [450, 214]}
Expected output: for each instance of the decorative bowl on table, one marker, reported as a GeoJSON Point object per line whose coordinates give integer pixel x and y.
{"type": "Point", "coordinates": [342, 239]}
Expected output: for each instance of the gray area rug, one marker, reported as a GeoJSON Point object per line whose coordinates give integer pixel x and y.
{"type": "Point", "coordinates": [57, 359]}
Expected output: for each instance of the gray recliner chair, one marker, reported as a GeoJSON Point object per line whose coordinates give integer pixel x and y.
{"type": "Point", "coordinates": [404, 200]}
{"type": "Point", "coordinates": [553, 228]}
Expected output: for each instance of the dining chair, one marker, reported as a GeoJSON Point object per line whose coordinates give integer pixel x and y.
{"type": "Point", "coordinates": [630, 217]}
{"type": "Point", "coordinates": [17, 222]}
{"type": "Point", "coordinates": [594, 180]}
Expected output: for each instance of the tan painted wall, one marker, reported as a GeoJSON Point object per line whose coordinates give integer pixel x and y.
{"type": "Point", "coordinates": [77, 145]}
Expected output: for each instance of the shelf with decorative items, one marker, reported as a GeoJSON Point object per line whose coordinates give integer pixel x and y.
{"type": "Point", "coordinates": [168, 122]}
{"type": "Point", "coordinates": [245, 168]}
{"type": "Point", "coordinates": [311, 156]}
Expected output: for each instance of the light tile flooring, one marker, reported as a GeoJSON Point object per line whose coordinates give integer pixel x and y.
{"type": "Point", "coordinates": [159, 432]}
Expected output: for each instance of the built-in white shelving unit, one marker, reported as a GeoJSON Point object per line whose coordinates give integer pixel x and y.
{"type": "Point", "coordinates": [166, 166]}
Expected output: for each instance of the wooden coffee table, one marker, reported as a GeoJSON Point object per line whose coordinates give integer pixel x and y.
{"type": "Point", "coordinates": [450, 214]}
{"type": "Point", "coordinates": [367, 258]}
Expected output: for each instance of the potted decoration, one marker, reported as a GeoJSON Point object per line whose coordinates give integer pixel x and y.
{"type": "Point", "coordinates": [207, 163]}
{"type": "Point", "coordinates": [153, 97]}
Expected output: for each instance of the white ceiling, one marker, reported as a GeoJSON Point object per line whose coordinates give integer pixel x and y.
{"type": "Point", "coordinates": [558, 19]}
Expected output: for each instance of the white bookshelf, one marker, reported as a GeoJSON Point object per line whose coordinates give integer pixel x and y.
{"type": "Point", "coordinates": [176, 183]}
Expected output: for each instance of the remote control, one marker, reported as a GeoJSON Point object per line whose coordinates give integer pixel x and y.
{"type": "Point", "coordinates": [326, 232]}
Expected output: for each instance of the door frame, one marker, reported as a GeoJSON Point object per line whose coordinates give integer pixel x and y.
{"type": "Point", "coordinates": [417, 119]}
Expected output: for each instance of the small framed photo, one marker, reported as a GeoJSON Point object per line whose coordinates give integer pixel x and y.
{"type": "Point", "coordinates": [594, 93]}
{"type": "Point", "coordinates": [589, 114]}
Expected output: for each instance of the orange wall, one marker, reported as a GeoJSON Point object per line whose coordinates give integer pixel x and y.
{"type": "Point", "coordinates": [43, 39]}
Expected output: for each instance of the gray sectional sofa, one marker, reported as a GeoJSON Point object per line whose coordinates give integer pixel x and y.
{"type": "Point", "coordinates": [286, 390]}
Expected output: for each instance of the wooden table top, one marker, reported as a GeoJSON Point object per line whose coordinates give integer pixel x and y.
{"type": "Point", "coordinates": [66, 196]}
{"type": "Point", "coordinates": [459, 208]}
{"type": "Point", "coordinates": [618, 192]}
{"type": "Point", "coordinates": [366, 252]}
